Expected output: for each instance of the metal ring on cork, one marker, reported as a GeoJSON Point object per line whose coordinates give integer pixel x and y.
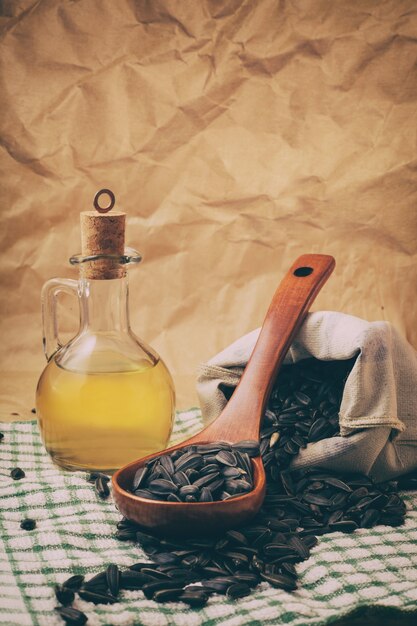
{"type": "Point", "coordinates": [110, 205]}
{"type": "Point", "coordinates": [129, 255]}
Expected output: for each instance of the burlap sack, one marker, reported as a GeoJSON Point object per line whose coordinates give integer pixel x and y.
{"type": "Point", "coordinates": [378, 414]}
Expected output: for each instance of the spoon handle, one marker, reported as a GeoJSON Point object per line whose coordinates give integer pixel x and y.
{"type": "Point", "coordinates": [241, 418]}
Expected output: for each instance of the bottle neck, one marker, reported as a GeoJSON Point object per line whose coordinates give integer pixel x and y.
{"type": "Point", "coordinates": [104, 305]}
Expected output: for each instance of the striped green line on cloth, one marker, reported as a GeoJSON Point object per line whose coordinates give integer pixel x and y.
{"type": "Point", "coordinates": [75, 534]}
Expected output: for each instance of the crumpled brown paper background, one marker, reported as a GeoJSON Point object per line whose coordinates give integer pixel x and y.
{"type": "Point", "coordinates": [235, 134]}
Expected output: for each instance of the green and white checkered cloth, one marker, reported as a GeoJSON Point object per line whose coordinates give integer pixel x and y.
{"type": "Point", "coordinates": [75, 534]}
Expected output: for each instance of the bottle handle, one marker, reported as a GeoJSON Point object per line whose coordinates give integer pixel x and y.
{"type": "Point", "coordinates": [49, 297]}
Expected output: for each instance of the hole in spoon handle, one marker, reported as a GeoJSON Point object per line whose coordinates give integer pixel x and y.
{"type": "Point", "coordinates": [303, 271]}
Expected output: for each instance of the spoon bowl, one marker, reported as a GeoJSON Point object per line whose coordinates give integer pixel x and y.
{"type": "Point", "coordinates": [188, 518]}
{"type": "Point", "coordinates": [239, 420]}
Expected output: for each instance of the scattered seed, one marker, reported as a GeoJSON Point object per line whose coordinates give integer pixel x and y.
{"type": "Point", "coordinates": [132, 579]}
{"type": "Point", "coordinates": [345, 526]}
{"type": "Point", "coordinates": [28, 524]}
{"type": "Point", "coordinates": [408, 482]}
{"type": "Point", "coordinates": [238, 590]}
{"type": "Point", "coordinates": [113, 579]}
{"type": "Point", "coordinates": [279, 581]}
{"type": "Point", "coordinates": [151, 588]}
{"type": "Point", "coordinates": [318, 429]}
{"type": "Point", "coordinates": [336, 482]}
{"type": "Point", "coordinates": [63, 595]}
{"type": "Point", "coordinates": [96, 597]}
{"type": "Point", "coordinates": [194, 598]}
{"type": "Point", "coordinates": [71, 616]}
{"type": "Point", "coordinates": [168, 595]}
{"type": "Point", "coordinates": [74, 582]}
{"type": "Point", "coordinates": [370, 518]}
{"type": "Point", "coordinates": [102, 487]}
{"type": "Point", "coordinates": [97, 582]}
{"type": "Point", "coordinates": [250, 447]}
{"type": "Point", "coordinates": [17, 473]}
{"type": "Point", "coordinates": [274, 439]}
{"type": "Point", "coordinates": [92, 477]}
{"type": "Point", "coordinates": [302, 398]}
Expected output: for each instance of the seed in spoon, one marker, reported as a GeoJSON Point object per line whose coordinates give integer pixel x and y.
{"type": "Point", "coordinates": [196, 474]}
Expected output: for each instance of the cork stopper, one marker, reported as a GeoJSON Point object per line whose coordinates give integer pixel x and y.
{"type": "Point", "coordinates": [103, 233]}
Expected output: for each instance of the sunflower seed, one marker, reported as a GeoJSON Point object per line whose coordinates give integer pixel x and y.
{"type": "Point", "coordinates": [313, 498]}
{"type": "Point", "coordinates": [277, 549]}
{"type": "Point", "coordinates": [131, 579]}
{"type": "Point", "coordinates": [167, 463]}
{"type": "Point", "coordinates": [302, 398]}
{"type": "Point", "coordinates": [408, 482]}
{"type": "Point", "coordinates": [237, 537]}
{"type": "Point", "coordinates": [151, 588]}
{"type": "Point", "coordinates": [113, 579]}
{"type": "Point", "coordinates": [335, 482]}
{"type": "Point", "coordinates": [238, 590]}
{"type": "Point", "coordinates": [215, 485]}
{"type": "Point", "coordinates": [288, 569]}
{"type": "Point", "coordinates": [99, 580]}
{"type": "Point", "coordinates": [358, 494]}
{"type": "Point", "coordinates": [74, 582]}
{"type": "Point", "coordinates": [138, 567]}
{"type": "Point", "coordinates": [226, 458]}
{"type": "Point", "coordinates": [160, 486]}
{"type": "Point", "coordinates": [181, 479]}
{"type": "Point", "coordinates": [17, 473]}
{"type": "Point", "coordinates": [63, 595]}
{"type": "Point", "coordinates": [206, 495]}
{"type": "Point", "coordinates": [28, 524]}
{"type": "Point", "coordinates": [194, 598]}
{"type": "Point", "coordinates": [318, 429]}
{"type": "Point", "coordinates": [369, 518]}
{"type": "Point", "coordinates": [336, 516]}
{"type": "Point", "coordinates": [139, 477]}
{"type": "Point", "coordinates": [155, 573]}
{"type": "Point", "coordinates": [338, 501]}
{"type": "Point", "coordinates": [245, 576]}
{"type": "Point", "coordinates": [168, 595]}
{"type": "Point", "coordinates": [102, 487]}
{"type": "Point", "coordinates": [189, 490]}
{"type": "Point", "coordinates": [280, 581]}
{"type": "Point", "coordinates": [273, 440]}
{"type": "Point", "coordinates": [204, 481]}
{"type": "Point", "coordinates": [211, 468]}
{"type": "Point", "coordinates": [345, 526]}
{"type": "Point", "coordinates": [249, 447]}
{"type": "Point", "coordinates": [233, 472]}
{"type": "Point", "coordinates": [96, 597]}
{"type": "Point", "coordinates": [188, 461]}
{"type": "Point", "coordinates": [165, 557]}
{"type": "Point", "coordinates": [299, 546]}
{"type": "Point", "coordinates": [288, 483]}
{"type": "Point", "coordinates": [71, 616]}
{"type": "Point", "coordinates": [173, 497]}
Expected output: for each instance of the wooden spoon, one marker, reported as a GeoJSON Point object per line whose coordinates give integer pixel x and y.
{"type": "Point", "coordinates": [240, 419]}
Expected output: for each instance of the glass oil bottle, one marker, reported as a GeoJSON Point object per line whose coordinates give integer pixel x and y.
{"type": "Point", "coordinates": [105, 398]}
